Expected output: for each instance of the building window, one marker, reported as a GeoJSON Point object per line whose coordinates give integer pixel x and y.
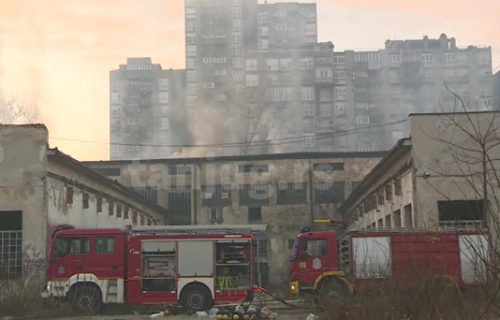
{"type": "Point", "coordinates": [362, 119]}
{"type": "Point", "coordinates": [449, 59]}
{"type": "Point", "coordinates": [99, 204]}
{"type": "Point", "coordinates": [216, 196]}
{"type": "Point", "coordinates": [134, 217]}
{"type": "Point", "coordinates": [254, 214]}
{"type": "Point", "coordinates": [324, 110]}
{"type": "Point", "coordinates": [254, 194]}
{"type": "Point", "coordinates": [147, 193]}
{"type": "Point", "coordinates": [110, 207]}
{"type": "Point", "coordinates": [108, 172]}
{"type": "Point", "coordinates": [307, 93]}
{"type": "Point", "coordinates": [408, 215]}
{"type": "Point", "coordinates": [291, 193]}
{"type": "Point", "coordinates": [252, 80]}
{"type": "Point", "coordinates": [69, 195]}
{"type": "Point", "coordinates": [427, 59]}
{"type": "Point", "coordinates": [85, 201]}
{"type": "Point", "coordinates": [380, 198]}
{"type": "Point", "coordinates": [216, 215]}
{"type": "Point", "coordinates": [397, 187]}
{"type": "Point", "coordinates": [388, 192]}
{"type": "Point", "coordinates": [125, 212]}
{"type": "Point", "coordinates": [340, 93]}
{"type": "Point", "coordinates": [332, 192]}
{"type": "Point", "coordinates": [397, 218]}
{"type": "Point", "coordinates": [118, 210]}
{"type": "Point", "coordinates": [340, 109]}
{"type": "Point", "coordinates": [460, 211]}
{"type": "Point", "coordinates": [179, 169]}
{"type": "Point", "coordinates": [306, 64]}
{"type": "Point", "coordinates": [328, 167]}
{"type": "Point", "coordinates": [246, 168]}
{"type": "Point", "coordinates": [11, 246]}
{"type": "Point", "coordinates": [380, 223]}
{"type": "Point", "coordinates": [388, 222]}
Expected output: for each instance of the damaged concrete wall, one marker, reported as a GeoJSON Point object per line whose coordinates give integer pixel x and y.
{"type": "Point", "coordinates": [23, 166]}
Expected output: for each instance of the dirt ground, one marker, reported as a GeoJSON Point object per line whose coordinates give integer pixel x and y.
{"type": "Point", "coordinates": [285, 315]}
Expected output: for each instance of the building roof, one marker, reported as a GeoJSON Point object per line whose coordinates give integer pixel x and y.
{"type": "Point", "coordinates": [242, 158]}
{"type": "Point", "coordinates": [451, 113]}
{"type": "Point", "coordinates": [402, 147]}
{"type": "Point", "coordinates": [57, 155]}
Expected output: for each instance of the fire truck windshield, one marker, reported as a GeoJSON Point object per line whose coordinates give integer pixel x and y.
{"type": "Point", "coordinates": [293, 254]}
{"type": "Point", "coordinates": [65, 246]}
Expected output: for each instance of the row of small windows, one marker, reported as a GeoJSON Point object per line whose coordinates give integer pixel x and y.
{"type": "Point", "coordinates": [258, 168]}
{"type": "Point", "coordinates": [121, 210]}
{"type": "Point", "coordinates": [379, 197]}
{"type": "Point", "coordinates": [286, 194]}
{"type": "Point", "coordinates": [428, 59]}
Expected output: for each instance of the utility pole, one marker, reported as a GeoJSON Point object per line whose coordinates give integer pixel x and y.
{"type": "Point", "coordinates": [311, 205]}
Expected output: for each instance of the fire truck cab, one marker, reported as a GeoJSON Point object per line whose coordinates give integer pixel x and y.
{"type": "Point", "coordinates": [195, 266]}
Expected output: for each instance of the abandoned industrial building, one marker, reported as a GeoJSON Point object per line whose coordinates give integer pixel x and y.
{"type": "Point", "coordinates": [41, 188]}
{"type": "Point", "coordinates": [434, 179]}
{"type": "Point", "coordinates": [283, 191]}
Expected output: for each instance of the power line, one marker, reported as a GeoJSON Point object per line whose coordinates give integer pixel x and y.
{"type": "Point", "coordinates": [278, 141]}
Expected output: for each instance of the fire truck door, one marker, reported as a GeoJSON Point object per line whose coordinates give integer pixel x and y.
{"type": "Point", "coordinates": [196, 258]}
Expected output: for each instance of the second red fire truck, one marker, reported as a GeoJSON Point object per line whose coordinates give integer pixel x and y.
{"type": "Point", "coordinates": [195, 266]}
{"type": "Point", "coordinates": [324, 264]}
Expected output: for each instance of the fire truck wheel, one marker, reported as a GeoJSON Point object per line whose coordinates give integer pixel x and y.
{"type": "Point", "coordinates": [196, 297]}
{"type": "Point", "coordinates": [86, 299]}
{"type": "Point", "coordinates": [330, 292]}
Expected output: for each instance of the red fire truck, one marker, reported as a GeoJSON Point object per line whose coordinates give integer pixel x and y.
{"type": "Point", "coordinates": [196, 266]}
{"type": "Point", "coordinates": [324, 264]}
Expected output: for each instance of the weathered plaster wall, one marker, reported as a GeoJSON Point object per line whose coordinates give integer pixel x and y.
{"type": "Point", "coordinates": [23, 166]}
{"type": "Point", "coordinates": [61, 212]}
{"type": "Point", "coordinates": [447, 156]}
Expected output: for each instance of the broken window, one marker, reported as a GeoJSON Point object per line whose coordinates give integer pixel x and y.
{"type": "Point", "coordinates": [329, 192]}
{"type": "Point", "coordinates": [454, 211]}
{"type": "Point", "coordinates": [291, 193]}
{"type": "Point", "coordinates": [254, 214]}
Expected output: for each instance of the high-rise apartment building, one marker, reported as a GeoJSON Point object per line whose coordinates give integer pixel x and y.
{"type": "Point", "coordinates": [375, 91]}
{"type": "Point", "coordinates": [257, 76]}
{"type": "Point", "coordinates": [147, 111]}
